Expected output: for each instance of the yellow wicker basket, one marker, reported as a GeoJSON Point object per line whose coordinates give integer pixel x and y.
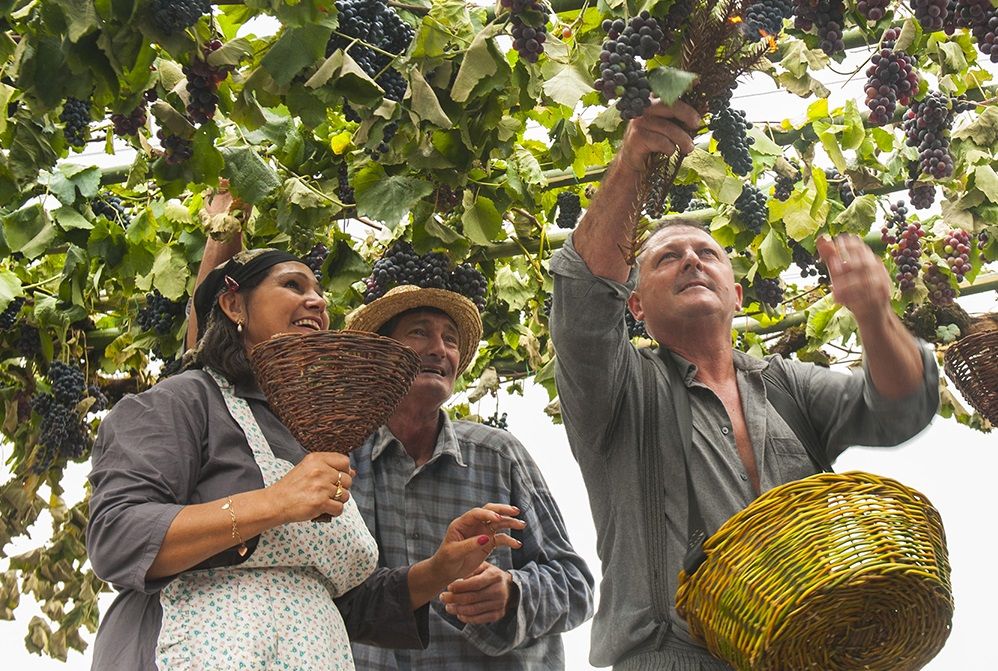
{"type": "Point", "coordinates": [836, 572]}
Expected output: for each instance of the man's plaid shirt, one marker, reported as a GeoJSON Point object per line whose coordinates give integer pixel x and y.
{"type": "Point", "coordinates": [408, 510]}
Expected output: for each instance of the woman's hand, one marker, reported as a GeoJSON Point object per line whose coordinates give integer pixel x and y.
{"type": "Point", "coordinates": [318, 485]}
{"type": "Point", "coordinates": [469, 540]}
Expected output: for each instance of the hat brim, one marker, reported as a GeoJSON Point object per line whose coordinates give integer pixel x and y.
{"type": "Point", "coordinates": [374, 315]}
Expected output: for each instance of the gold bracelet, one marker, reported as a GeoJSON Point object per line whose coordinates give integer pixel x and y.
{"type": "Point", "coordinates": [236, 536]}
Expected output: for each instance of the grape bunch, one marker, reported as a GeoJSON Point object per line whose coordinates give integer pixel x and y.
{"type": "Point", "coordinates": [752, 209]}
{"type": "Point", "coordinates": [315, 258]}
{"type": "Point", "coordinates": [174, 16]}
{"type": "Point", "coordinates": [846, 194]}
{"type": "Point", "coordinates": [67, 383]}
{"type": "Point", "coordinates": [907, 254]}
{"type": "Point", "coordinates": [981, 17]}
{"type": "Point", "coordinates": [446, 198]}
{"type": "Point", "coordinates": [763, 18]}
{"type": "Point", "coordinates": [76, 117]}
{"type": "Point", "coordinates": [730, 132]}
{"type": "Point", "coordinates": [343, 188]}
{"type": "Point", "coordinates": [932, 14]}
{"type": "Point", "coordinates": [927, 126]}
{"type": "Point", "coordinates": [941, 292]}
{"type": "Point", "coordinates": [496, 421]}
{"type": "Point", "coordinates": [873, 10]}
{"type": "Point", "coordinates": [202, 84]}
{"type": "Point", "coordinates": [622, 75]}
{"type": "Point", "coordinates": [921, 194]}
{"type": "Point", "coordinates": [827, 17]}
{"type": "Point", "coordinates": [28, 342]}
{"type": "Point", "coordinates": [176, 149]}
{"type": "Point", "coordinates": [402, 265]}
{"type": "Point", "coordinates": [569, 209]}
{"type": "Point", "coordinates": [895, 223]}
{"type": "Point", "coordinates": [635, 328]}
{"type": "Point", "coordinates": [528, 27]}
{"type": "Point", "coordinates": [681, 197]}
{"type": "Point", "coordinates": [129, 124]}
{"type": "Point", "coordinates": [809, 264]}
{"type": "Point", "coordinates": [784, 185]}
{"type": "Point", "coordinates": [9, 316]}
{"type": "Point", "coordinates": [160, 313]}
{"type": "Point", "coordinates": [956, 247]}
{"type": "Point", "coordinates": [891, 79]}
{"type": "Point", "coordinates": [768, 291]}
{"type": "Point", "coordinates": [63, 433]}
{"type": "Point", "coordinates": [109, 206]}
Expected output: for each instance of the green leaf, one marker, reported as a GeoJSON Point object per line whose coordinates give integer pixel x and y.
{"type": "Point", "coordinates": [858, 217]}
{"type": "Point", "coordinates": [909, 33]}
{"type": "Point", "coordinates": [883, 139]}
{"type": "Point", "coordinates": [482, 221]}
{"type": "Point", "coordinates": [775, 252]}
{"type": "Point", "coordinates": [527, 168]}
{"type": "Point", "coordinates": [830, 141]}
{"type": "Point", "coordinates": [670, 83]}
{"type": "Point", "coordinates": [177, 123]}
{"type": "Point", "coordinates": [231, 53]}
{"type": "Point", "coordinates": [69, 219]}
{"type": "Point", "coordinates": [986, 180]}
{"type": "Point", "coordinates": [249, 177]}
{"type": "Point", "coordinates": [387, 198]}
{"type": "Point", "coordinates": [797, 215]}
{"type": "Point", "coordinates": [762, 144]}
{"type": "Point", "coordinates": [169, 272]}
{"type": "Point", "coordinates": [10, 288]}
{"type": "Point", "coordinates": [854, 131]}
{"type": "Point", "coordinates": [951, 57]}
{"type": "Point", "coordinates": [29, 230]}
{"type": "Point", "coordinates": [567, 85]}
{"type": "Point", "coordinates": [81, 18]}
{"type": "Point", "coordinates": [819, 314]}
{"type": "Point", "coordinates": [294, 50]}
{"type": "Point", "coordinates": [425, 103]}
{"type": "Point", "coordinates": [983, 131]}
{"type": "Point", "coordinates": [513, 287]}
{"type": "Point", "coordinates": [478, 63]}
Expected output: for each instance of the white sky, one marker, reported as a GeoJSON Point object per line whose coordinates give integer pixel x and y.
{"type": "Point", "coordinates": [952, 465]}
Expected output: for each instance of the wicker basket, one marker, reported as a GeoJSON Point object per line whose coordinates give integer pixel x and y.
{"type": "Point", "coordinates": [972, 363]}
{"type": "Point", "coordinates": [332, 389]}
{"type": "Point", "coordinates": [836, 572]}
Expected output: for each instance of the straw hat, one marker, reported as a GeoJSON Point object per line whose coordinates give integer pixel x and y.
{"type": "Point", "coordinates": [377, 313]}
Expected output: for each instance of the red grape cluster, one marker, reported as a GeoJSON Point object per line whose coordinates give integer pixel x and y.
{"type": "Point", "coordinates": [528, 26]}
{"type": "Point", "coordinates": [768, 291]}
{"type": "Point", "coordinates": [873, 10]}
{"type": "Point", "coordinates": [176, 149]}
{"type": "Point", "coordinates": [622, 75]}
{"type": "Point", "coordinates": [896, 222]}
{"type": "Point", "coordinates": [941, 292]}
{"type": "Point", "coordinates": [932, 14]}
{"type": "Point", "coordinates": [956, 247]}
{"type": "Point", "coordinates": [907, 254]}
{"type": "Point", "coordinates": [891, 79]}
{"type": "Point", "coordinates": [202, 84]}
{"type": "Point", "coordinates": [827, 17]}
{"type": "Point", "coordinates": [927, 126]}
{"type": "Point", "coordinates": [129, 124]}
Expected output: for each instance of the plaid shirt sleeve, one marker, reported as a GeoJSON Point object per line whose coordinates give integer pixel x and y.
{"type": "Point", "coordinates": [554, 585]}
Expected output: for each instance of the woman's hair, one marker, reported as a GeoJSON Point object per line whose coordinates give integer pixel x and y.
{"type": "Point", "coordinates": [221, 347]}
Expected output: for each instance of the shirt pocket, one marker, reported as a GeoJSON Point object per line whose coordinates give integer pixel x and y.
{"type": "Point", "coordinates": [791, 460]}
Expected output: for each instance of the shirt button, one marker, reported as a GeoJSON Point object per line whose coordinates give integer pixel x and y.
{"type": "Point", "coordinates": [415, 536]}
{"type": "Point", "coordinates": [724, 430]}
{"type": "Point", "coordinates": [743, 476]}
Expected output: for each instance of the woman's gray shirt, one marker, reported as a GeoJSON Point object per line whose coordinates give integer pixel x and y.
{"type": "Point", "coordinates": [174, 445]}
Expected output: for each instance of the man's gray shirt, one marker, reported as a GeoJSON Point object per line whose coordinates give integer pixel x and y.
{"type": "Point", "coordinates": [602, 402]}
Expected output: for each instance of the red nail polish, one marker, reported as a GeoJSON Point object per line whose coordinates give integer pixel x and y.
{"type": "Point", "coordinates": [483, 539]}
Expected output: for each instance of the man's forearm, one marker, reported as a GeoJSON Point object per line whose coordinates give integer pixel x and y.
{"type": "Point", "coordinates": [608, 225]}
{"type": "Point", "coordinates": [892, 356]}
{"type": "Point", "coordinates": [215, 253]}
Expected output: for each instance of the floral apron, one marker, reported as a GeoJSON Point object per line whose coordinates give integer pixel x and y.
{"type": "Point", "coordinates": [276, 609]}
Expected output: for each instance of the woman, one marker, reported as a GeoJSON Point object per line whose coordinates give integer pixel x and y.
{"type": "Point", "coordinates": [202, 504]}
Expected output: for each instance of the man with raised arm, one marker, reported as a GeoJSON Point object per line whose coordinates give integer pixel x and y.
{"type": "Point", "coordinates": [613, 395]}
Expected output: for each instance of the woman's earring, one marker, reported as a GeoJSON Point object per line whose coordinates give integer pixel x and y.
{"type": "Point", "coordinates": [239, 326]}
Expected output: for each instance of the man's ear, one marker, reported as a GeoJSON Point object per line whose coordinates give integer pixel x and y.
{"type": "Point", "coordinates": [233, 306]}
{"type": "Point", "coordinates": [634, 304]}
{"type": "Point", "coordinates": [739, 295]}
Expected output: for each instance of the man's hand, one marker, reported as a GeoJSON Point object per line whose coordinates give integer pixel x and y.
{"type": "Point", "coordinates": [483, 598]}
{"type": "Point", "coordinates": [662, 129]}
{"type": "Point", "coordinates": [859, 278]}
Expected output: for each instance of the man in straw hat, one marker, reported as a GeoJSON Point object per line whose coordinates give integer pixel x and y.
{"type": "Point", "coordinates": [421, 466]}
{"type": "Point", "coordinates": [749, 424]}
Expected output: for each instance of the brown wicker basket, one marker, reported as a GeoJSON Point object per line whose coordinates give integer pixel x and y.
{"type": "Point", "coordinates": [972, 363]}
{"type": "Point", "coordinates": [332, 389]}
{"type": "Point", "coordinates": [836, 572]}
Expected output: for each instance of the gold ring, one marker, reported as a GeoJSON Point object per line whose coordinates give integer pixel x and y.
{"type": "Point", "coordinates": [339, 478]}
{"type": "Point", "coordinates": [338, 493]}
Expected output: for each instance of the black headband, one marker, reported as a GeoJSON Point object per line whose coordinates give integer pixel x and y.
{"type": "Point", "coordinates": [244, 269]}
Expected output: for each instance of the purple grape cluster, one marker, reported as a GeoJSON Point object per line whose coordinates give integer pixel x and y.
{"type": "Point", "coordinates": [202, 84]}
{"type": "Point", "coordinates": [827, 17]}
{"type": "Point", "coordinates": [873, 10]}
{"type": "Point", "coordinates": [927, 126]}
{"type": "Point", "coordinates": [891, 80]}
{"type": "Point", "coordinates": [941, 292]}
{"type": "Point", "coordinates": [768, 291]}
{"type": "Point", "coordinates": [402, 265]}
{"type": "Point", "coordinates": [907, 254]}
{"type": "Point", "coordinates": [569, 209]}
{"type": "Point", "coordinates": [956, 247]}
{"type": "Point", "coordinates": [315, 258]}
{"type": "Point", "coordinates": [931, 14]}
{"type": "Point", "coordinates": [622, 75]}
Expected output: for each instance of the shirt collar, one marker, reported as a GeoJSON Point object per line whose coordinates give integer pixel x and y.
{"type": "Point", "coordinates": [447, 443]}
{"type": "Point", "coordinates": [249, 390]}
{"type": "Point", "coordinates": [743, 363]}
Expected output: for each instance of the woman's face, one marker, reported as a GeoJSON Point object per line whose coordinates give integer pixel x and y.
{"type": "Point", "coordinates": [288, 300]}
